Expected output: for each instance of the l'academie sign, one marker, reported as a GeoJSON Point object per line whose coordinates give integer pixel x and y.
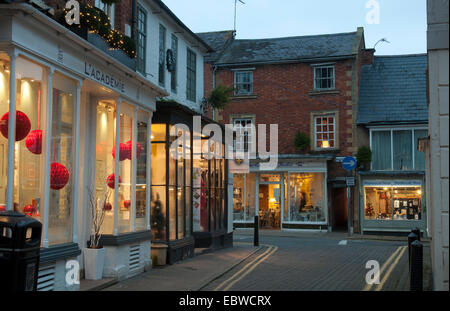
{"type": "Point", "coordinates": [98, 75]}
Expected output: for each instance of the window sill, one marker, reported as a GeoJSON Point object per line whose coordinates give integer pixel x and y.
{"type": "Point", "coordinates": [324, 92]}
{"type": "Point", "coordinates": [251, 96]}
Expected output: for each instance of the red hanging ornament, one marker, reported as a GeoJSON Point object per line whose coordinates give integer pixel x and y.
{"type": "Point", "coordinates": [34, 142]}
{"type": "Point", "coordinates": [2, 209]}
{"type": "Point", "coordinates": [127, 204]}
{"type": "Point", "coordinates": [123, 152]}
{"type": "Point", "coordinates": [59, 176]}
{"type": "Point", "coordinates": [139, 149]}
{"type": "Point", "coordinates": [110, 181]}
{"type": "Point", "coordinates": [23, 125]}
{"type": "Point", "coordinates": [29, 210]}
{"type": "Point", "coordinates": [107, 207]}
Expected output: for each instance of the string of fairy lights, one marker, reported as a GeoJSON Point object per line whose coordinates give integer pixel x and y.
{"type": "Point", "coordinates": [99, 23]}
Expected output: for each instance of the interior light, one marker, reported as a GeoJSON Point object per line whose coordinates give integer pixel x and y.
{"type": "Point", "coordinates": [419, 192]}
{"type": "Point", "coordinates": [325, 144]}
{"type": "Point", "coordinates": [385, 188]}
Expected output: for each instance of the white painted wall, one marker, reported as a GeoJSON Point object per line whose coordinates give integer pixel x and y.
{"type": "Point", "coordinates": [154, 19]}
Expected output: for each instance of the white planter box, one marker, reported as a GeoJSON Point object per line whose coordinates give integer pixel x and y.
{"type": "Point", "coordinates": [94, 260]}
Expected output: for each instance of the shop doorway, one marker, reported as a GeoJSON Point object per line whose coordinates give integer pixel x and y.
{"type": "Point", "coordinates": [340, 210]}
{"type": "Point", "coordinates": [270, 206]}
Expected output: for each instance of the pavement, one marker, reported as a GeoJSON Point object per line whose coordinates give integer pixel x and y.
{"type": "Point", "coordinates": [287, 261]}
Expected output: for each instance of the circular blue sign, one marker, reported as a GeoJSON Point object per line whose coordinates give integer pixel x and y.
{"type": "Point", "coordinates": [349, 163]}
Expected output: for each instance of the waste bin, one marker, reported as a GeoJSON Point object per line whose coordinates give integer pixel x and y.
{"type": "Point", "coordinates": [20, 241]}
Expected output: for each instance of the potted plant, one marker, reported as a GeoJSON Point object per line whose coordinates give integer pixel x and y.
{"type": "Point", "coordinates": [364, 157]}
{"type": "Point", "coordinates": [302, 141]}
{"type": "Point", "coordinates": [158, 250]}
{"type": "Point", "coordinates": [94, 254]}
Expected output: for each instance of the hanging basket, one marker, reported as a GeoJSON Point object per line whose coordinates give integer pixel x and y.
{"type": "Point", "coordinates": [34, 142]}
{"type": "Point", "coordinates": [59, 176]}
{"type": "Point", "coordinates": [23, 125]}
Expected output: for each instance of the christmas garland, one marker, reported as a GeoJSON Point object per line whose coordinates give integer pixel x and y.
{"type": "Point", "coordinates": [98, 22]}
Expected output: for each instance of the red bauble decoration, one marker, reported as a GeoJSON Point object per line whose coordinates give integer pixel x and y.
{"type": "Point", "coordinates": [127, 203]}
{"type": "Point", "coordinates": [59, 176]}
{"type": "Point", "coordinates": [123, 152]}
{"type": "Point", "coordinates": [34, 142]}
{"type": "Point", "coordinates": [28, 210]}
{"type": "Point", "coordinates": [139, 149]}
{"type": "Point", "coordinates": [110, 180]}
{"type": "Point", "coordinates": [107, 207]}
{"type": "Point", "coordinates": [23, 125]}
{"type": "Point", "coordinates": [2, 209]}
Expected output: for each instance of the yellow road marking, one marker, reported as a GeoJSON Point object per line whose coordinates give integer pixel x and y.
{"type": "Point", "coordinates": [388, 273]}
{"type": "Point", "coordinates": [369, 286]}
{"type": "Point", "coordinates": [251, 269]}
{"type": "Point", "coordinates": [270, 248]}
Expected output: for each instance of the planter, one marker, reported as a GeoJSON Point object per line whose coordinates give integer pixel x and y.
{"type": "Point", "coordinates": [159, 254]}
{"type": "Point", "coordinates": [94, 260]}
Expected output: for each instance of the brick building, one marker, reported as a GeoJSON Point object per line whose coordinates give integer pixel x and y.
{"type": "Point", "coordinates": [309, 86]}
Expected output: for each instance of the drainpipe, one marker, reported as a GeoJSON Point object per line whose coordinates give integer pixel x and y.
{"type": "Point", "coordinates": [214, 86]}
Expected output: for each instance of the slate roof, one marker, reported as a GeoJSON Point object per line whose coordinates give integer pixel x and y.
{"type": "Point", "coordinates": [393, 90]}
{"type": "Point", "coordinates": [288, 49]}
{"type": "Point", "coordinates": [217, 40]}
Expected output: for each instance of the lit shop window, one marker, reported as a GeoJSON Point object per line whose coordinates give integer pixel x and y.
{"type": "Point", "coordinates": [4, 108]}
{"type": "Point", "coordinates": [141, 174]}
{"type": "Point", "coordinates": [244, 202]}
{"type": "Point", "coordinates": [125, 167]}
{"type": "Point", "coordinates": [28, 152]}
{"type": "Point", "coordinates": [307, 200]}
{"type": "Point", "coordinates": [62, 153]}
{"type": "Point", "coordinates": [393, 203]}
{"type": "Point", "coordinates": [105, 163]}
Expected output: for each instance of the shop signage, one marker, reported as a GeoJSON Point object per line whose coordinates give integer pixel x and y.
{"type": "Point", "coordinates": [350, 181]}
{"type": "Point", "coordinates": [107, 79]}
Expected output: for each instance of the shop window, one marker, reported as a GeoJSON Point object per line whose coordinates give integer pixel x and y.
{"type": "Point", "coordinates": [244, 200]}
{"type": "Point", "coordinates": [325, 131]}
{"type": "Point", "coordinates": [4, 108]}
{"type": "Point", "coordinates": [62, 158]}
{"type": "Point", "coordinates": [29, 157]}
{"type": "Point", "coordinates": [393, 203]}
{"type": "Point", "coordinates": [141, 173]}
{"type": "Point", "coordinates": [159, 182]}
{"type": "Point", "coordinates": [307, 200]}
{"type": "Point", "coordinates": [105, 161]}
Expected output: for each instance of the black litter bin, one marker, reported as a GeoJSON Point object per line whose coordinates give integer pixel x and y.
{"type": "Point", "coordinates": [20, 241]}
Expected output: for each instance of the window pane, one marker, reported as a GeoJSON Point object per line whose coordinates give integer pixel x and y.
{"type": "Point", "coordinates": [62, 143]}
{"type": "Point", "coordinates": [158, 212]}
{"type": "Point", "coordinates": [381, 150]}
{"type": "Point", "coordinates": [419, 157]}
{"type": "Point", "coordinates": [4, 108]}
{"type": "Point", "coordinates": [158, 132]}
{"type": "Point", "coordinates": [402, 150]}
{"type": "Point", "coordinates": [104, 165]}
{"type": "Point", "coordinates": [200, 195]}
{"type": "Point", "coordinates": [180, 198]}
{"type": "Point", "coordinates": [251, 197]}
{"type": "Point", "coordinates": [238, 197]}
{"type": "Point", "coordinates": [158, 166]}
{"type": "Point", "coordinates": [162, 54]}
{"type": "Point", "coordinates": [307, 197]}
{"type": "Point", "coordinates": [141, 176]}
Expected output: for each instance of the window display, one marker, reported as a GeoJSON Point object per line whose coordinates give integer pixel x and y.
{"type": "Point", "coordinates": [158, 179]}
{"type": "Point", "coordinates": [244, 203]}
{"type": "Point", "coordinates": [141, 174]}
{"type": "Point", "coordinates": [393, 203]}
{"type": "Point", "coordinates": [307, 200]}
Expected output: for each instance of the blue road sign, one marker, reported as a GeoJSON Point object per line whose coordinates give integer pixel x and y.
{"type": "Point", "coordinates": [349, 163]}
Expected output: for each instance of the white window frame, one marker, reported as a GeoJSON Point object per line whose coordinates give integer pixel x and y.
{"type": "Point", "coordinates": [108, 9]}
{"type": "Point", "coordinates": [236, 73]}
{"type": "Point", "coordinates": [328, 132]}
{"type": "Point", "coordinates": [247, 128]}
{"type": "Point", "coordinates": [316, 87]}
{"type": "Point", "coordinates": [413, 129]}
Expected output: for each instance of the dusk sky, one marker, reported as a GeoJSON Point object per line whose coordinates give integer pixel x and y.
{"type": "Point", "coordinates": [402, 22]}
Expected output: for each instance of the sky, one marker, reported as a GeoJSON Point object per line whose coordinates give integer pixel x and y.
{"type": "Point", "coordinates": [402, 22]}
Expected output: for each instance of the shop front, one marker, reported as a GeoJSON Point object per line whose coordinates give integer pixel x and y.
{"type": "Point", "coordinates": [293, 197]}
{"type": "Point", "coordinates": [75, 128]}
{"type": "Point", "coordinates": [189, 195]}
{"type": "Point", "coordinates": [392, 204]}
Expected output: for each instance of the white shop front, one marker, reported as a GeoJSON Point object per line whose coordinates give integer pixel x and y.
{"type": "Point", "coordinates": [67, 110]}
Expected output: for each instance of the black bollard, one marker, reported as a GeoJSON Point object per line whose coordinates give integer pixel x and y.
{"type": "Point", "coordinates": [416, 231]}
{"type": "Point", "coordinates": [416, 267]}
{"type": "Point", "coordinates": [411, 238]}
{"type": "Point", "coordinates": [256, 233]}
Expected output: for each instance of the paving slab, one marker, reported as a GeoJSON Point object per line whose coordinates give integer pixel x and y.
{"type": "Point", "coordinates": [191, 274]}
